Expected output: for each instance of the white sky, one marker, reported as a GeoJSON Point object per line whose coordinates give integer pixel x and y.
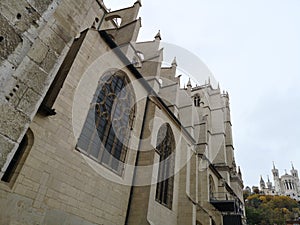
{"type": "Point", "coordinates": [252, 47]}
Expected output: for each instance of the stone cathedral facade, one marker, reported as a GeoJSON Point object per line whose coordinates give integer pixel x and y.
{"type": "Point", "coordinates": [95, 130]}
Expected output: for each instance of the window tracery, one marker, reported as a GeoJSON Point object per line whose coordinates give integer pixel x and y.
{"type": "Point", "coordinates": [106, 131]}
{"type": "Point", "coordinates": [165, 147]}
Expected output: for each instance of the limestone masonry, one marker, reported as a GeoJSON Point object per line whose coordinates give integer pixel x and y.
{"type": "Point", "coordinates": [95, 130]}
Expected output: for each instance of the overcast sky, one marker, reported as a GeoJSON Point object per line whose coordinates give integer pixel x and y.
{"type": "Point", "coordinates": [252, 47]}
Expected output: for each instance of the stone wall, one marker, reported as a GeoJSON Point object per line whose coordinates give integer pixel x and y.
{"type": "Point", "coordinates": [57, 184]}
{"type": "Point", "coordinates": [34, 39]}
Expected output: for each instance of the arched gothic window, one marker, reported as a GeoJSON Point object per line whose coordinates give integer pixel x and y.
{"type": "Point", "coordinates": [165, 147]}
{"type": "Point", "coordinates": [212, 190]}
{"type": "Point", "coordinates": [106, 132]}
{"type": "Point", "coordinates": [197, 100]}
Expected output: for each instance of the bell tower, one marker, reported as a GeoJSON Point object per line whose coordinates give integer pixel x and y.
{"type": "Point", "coordinates": [276, 179]}
{"type": "Point", "coordinates": [295, 174]}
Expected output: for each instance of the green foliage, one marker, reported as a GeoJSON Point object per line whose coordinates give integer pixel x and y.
{"type": "Point", "coordinates": [267, 209]}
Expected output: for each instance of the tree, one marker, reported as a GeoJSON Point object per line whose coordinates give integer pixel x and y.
{"type": "Point", "coordinates": [267, 209]}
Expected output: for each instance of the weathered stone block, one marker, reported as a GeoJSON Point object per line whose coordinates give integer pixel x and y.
{"type": "Point", "coordinates": [6, 69]}
{"type": "Point", "coordinates": [62, 32]}
{"type": "Point", "coordinates": [5, 147]}
{"type": "Point", "coordinates": [13, 91]}
{"type": "Point", "coordinates": [9, 39]}
{"type": "Point", "coordinates": [52, 40]}
{"type": "Point", "coordinates": [28, 102]}
{"type": "Point", "coordinates": [12, 122]}
{"type": "Point", "coordinates": [70, 15]}
{"type": "Point", "coordinates": [21, 14]}
{"type": "Point", "coordinates": [32, 75]}
{"type": "Point", "coordinates": [40, 5]}
{"type": "Point", "coordinates": [49, 61]}
{"type": "Point", "coordinates": [20, 51]}
{"type": "Point", "coordinates": [38, 51]}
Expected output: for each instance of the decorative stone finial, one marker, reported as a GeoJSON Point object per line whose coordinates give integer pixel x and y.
{"type": "Point", "coordinates": [189, 84]}
{"type": "Point", "coordinates": [292, 166]}
{"type": "Point", "coordinates": [138, 2]}
{"type": "Point", "coordinates": [158, 36]}
{"type": "Point", "coordinates": [174, 63]}
{"type": "Point", "coordinates": [239, 171]}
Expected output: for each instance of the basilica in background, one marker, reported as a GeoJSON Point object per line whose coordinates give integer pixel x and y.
{"type": "Point", "coordinates": [96, 130]}
{"type": "Point", "coordinates": [287, 184]}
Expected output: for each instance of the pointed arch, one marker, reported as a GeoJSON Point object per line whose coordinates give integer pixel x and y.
{"type": "Point", "coordinates": [212, 187]}
{"type": "Point", "coordinates": [197, 100]}
{"type": "Point", "coordinates": [106, 132]}
{"type": "Point", "coordinates": [166, 149]}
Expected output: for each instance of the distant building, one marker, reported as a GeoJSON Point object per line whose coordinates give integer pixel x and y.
{"type": "Point", "coordinates": [287, 184]}
{"type": "Point", "coordinates": [255, 189]}
{"type": "Point", "coordinates": [248, 190]}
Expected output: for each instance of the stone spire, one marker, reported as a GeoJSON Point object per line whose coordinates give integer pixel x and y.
{"type": "Point", "coordinates": [293, 171]}
{"type": "Point", "coordinates": [276, 179]}
{"type": "Point", "coordinates": [262, 183]}
{"type": "Point", "coordinates": [138, 2]}
{"type": "Point", "coordinates": [189, 84]}
{"type": "Point", "coordinates": [174, 62]}
{"type": "Point", "coordinates": [239, 172]}
{"type": "Point", "coordinates": [275, 171]}
{"type": "Point", "coordinates": [158, 36]}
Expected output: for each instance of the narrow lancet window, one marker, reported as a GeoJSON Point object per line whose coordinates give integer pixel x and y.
{"type": "Point", "coordinates": [165, 147]}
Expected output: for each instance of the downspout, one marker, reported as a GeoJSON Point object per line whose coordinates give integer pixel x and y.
{"type": "Point", "coordinates": [136, 162]}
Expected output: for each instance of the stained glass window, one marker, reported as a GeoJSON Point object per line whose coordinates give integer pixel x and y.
{"type": "Point", "coordinates": [106, 131]}
{"type": "Point", "coordinates": [165, 147]}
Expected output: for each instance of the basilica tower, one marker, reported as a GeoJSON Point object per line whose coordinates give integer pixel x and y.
{"type": "Point", "coordinates": [276, 179]}
{"type": "Point", "coordinates": [295, 174]}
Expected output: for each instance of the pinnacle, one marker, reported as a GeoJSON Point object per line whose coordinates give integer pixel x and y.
{"type": "Point", "coordinates": [158, 36]}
